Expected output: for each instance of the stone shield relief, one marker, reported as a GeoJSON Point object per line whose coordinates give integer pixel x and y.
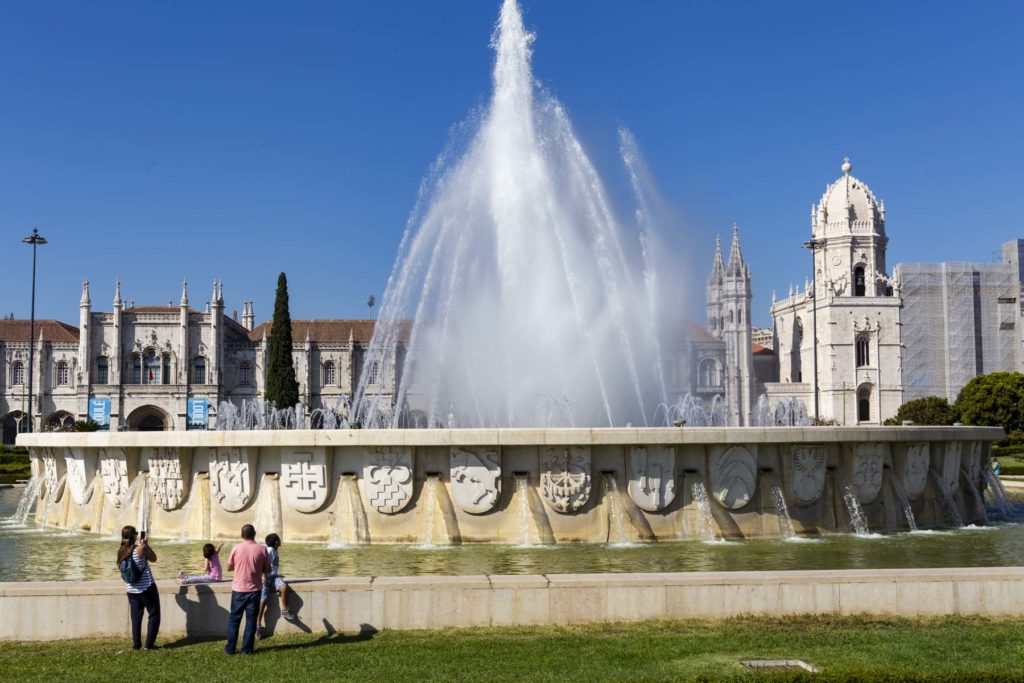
{"type": "Point", "coordinates": [387, 476]}
{"type": "Point", "coordinates": [866, 474]}
{"type": "Point", "coordinates": [114, 473]}
{"type": "Point", "coordinates": [734, 477]}
{"type": "Point", "coordinates": [565, 477]}
{"type": "Point", "coordinates": [914, 471]}
{"type": "Point", "coordinates": [170, 472]}
{"type": "Point", "coordinates": [476, 478]}
{"type": "Point", "coordinates": [951, 465]}
{"type": "Point", "coordinates": [54, 471]}
{"type": "Point", "coordinates": [652, 478]}
{"type": "Point", "coordinates": [81, 468]}
{"type": "Point", "coordinates": [232, 476]}
{"type": "Point", "coordinates": [807, 473]}
{"type": "Point", "coordinates": [304, 478]}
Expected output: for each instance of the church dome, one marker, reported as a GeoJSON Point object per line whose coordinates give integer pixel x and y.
{"type": "Point", "coordinates": [848, 202]}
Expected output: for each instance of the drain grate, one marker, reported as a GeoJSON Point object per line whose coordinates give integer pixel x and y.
{"type": "Point", "coordinates": [778, 664]}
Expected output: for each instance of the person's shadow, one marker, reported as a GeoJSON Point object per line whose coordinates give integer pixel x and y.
{"type": "Point", "coordinates": [331, 637]}
{"type": "Point", "coordinates": [295, 603]}
{"type": "Point", "coordinates": [205, 619]}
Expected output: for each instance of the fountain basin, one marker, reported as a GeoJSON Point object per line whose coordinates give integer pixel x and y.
{"type": "Point", "coordinates": [439, 487]}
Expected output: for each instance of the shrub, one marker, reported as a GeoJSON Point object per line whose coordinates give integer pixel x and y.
{"type": "Point", "coordinates": [930, 410]}
{"type": "Point", "coordinates": [993, 400]}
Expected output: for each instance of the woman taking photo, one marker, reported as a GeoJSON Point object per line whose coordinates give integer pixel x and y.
{"type": "Point", "coordinates": [133, 558]}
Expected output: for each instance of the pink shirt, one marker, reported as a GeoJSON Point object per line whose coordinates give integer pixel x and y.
{"type": "Point", "coordinates": [248, 560]}
{"type": "Point", "coordinates": [213, 567]}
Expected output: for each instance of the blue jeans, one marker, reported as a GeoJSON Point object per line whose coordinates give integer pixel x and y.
{"type": "Point", "coordinates": [249, 603]}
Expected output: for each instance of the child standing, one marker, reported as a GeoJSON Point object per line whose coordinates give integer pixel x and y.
{"type": "Point", "coordinates": [273, 581]}
{"type": "Point", "coordinates": [211, 568]}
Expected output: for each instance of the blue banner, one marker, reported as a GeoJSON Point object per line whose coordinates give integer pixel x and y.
{"type": "Point", "coordinates": [99, 411]}
{"type": "Point", "coordinates": [198, 410]}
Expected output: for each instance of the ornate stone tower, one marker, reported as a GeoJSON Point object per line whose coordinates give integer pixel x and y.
{"type": "Point", "coordinates": [736, 332]}
{"type": "Point", "coordinates": [84, 331]}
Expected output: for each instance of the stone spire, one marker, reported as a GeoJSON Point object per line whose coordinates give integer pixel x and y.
{"type": "Point", "coordinates": [718, 267]}
{"type": "Point", "coordinates": [117, 294]}
{"type": "Point", "coordinates": [184, 292]}
{"type": "Point", "coordinates": [85, 300]}
{"type": "Point", "coordinates": [736, 266]}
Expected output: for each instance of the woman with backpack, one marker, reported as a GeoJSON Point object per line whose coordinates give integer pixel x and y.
{"type": "Point", "coordinates": [133, 558]}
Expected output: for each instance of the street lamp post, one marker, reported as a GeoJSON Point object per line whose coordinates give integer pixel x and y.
{"type": "Point", "coordinates": [814, 244]}
{"type": "Point", "coordinates": [35, 239]}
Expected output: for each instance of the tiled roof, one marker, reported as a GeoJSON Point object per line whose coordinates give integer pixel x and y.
{"type": "Point", "coordinates": [757, 349]}
{"type": "Point", "coordinates": [330, 330]}
{"type": "Point", "coordinates": [696, 332]}
{"type": "Point", "coordinates": [52, 331]}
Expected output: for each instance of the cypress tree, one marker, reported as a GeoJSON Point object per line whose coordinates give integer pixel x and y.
{"type": "Point", "coordinates": [282, 388]}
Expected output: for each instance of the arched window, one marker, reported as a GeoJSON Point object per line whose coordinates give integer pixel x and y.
{"type": "Point", "coordinates": [731, 318]}
{"type": "Point", "coordinates": [165, 376]}
{"type": "Point", "coordinates": [199, 371]}
{"type": "Point", "coordinates": [244, 374]}
{"type": "Point", "coordinates": [373, 373]}
{"type": "Point", "coordinates": [330, 377]}
{"type": "Point", "coordinates": [150, 368]}
{"type": "Point", "coordinates": [102, 371]}
{"type": "Point", "coordinates": [794, 354]}
{"type": "Point", "coordinates": [864, 403]}
{"type": "Point", "coordinates": [136, 369]}
{"type": "Point", "coordinates": [62, 374]}
{"type": "Point", "coordinates": [863, 352]}
{"type": "Point", "coordinates": [859, 285]}
{"type": "Point", "coordinates": [709, 373]}
{"type": "Point", "coordinates": [18, 373]}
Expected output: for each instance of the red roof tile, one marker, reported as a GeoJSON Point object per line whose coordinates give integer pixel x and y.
{"type": "Point", "coordinates": [52, 330]}
{"type": "Point", "coordinates": [330, 330]}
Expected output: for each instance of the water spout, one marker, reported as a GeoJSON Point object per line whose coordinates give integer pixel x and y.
{"type": "Point", "coordinates": [704, 516]}
{"type": "Point", "coordinates": [28, 500]}
{"type": "Point", "coordinates": [349, 525]}
{"type": "Point", "coordinates": [904, 502]}
{"type": "Point", "coordinates": [947, 497]}
{"type": "Point", "coordinates": [616, 521]}
{"type": "Point", "coordinates": [782, 512]}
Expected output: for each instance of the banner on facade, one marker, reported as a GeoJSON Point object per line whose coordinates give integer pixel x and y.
{"type": "Point", "coordinates": [198, 413]}
{"type": "Point", "coordinates": [99, 411]}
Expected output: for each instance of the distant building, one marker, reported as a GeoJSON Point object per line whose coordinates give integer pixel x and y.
{"type": "Point", "coordinates": [763, 336]}
{"type": "Point", "coordinates": [960, 320]}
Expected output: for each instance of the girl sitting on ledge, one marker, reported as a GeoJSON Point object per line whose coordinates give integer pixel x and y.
{"type": "Point", "coordinates": [211, 568]}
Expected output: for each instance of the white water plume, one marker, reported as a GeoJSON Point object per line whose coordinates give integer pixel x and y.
{"type": "Point", "coordinates": [523, 287]}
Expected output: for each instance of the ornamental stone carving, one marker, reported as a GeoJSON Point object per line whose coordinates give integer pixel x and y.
{"type": "Point", "coordinates": [387, 477]}
{"type": "Point", "coordinates": [305, 474]}
{"type": "Point", "coordinates": [951, 465]}
{"type": "Point", "coordinates": [866, 476]}
{"type": "Point", "coordinates": [54, 472]}
{"type": "Point", "coordinates": [81, 468]}
{"type": "Point", "coordinates": [476, 478]}
{"type": "Point", "coordinates": [652, 476]}
{"type": "Point", "coordinates": [733, 477]}
{"type": "Point", "coordinates": [565, 477]}
{"type": "Point", "coordinates": [114, 473]}
{"type": "Point", "coordinates": [232, 477]}
{"type": "Point", "coordinates": [914, 472]}
{"type": "Point", "coordinates": [973, 465]}
{"type": "Point", "coordinates": [807, 473]}
{"type": "Point", "coordinates": [170, 471]}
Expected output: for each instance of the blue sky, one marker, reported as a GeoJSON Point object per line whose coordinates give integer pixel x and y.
{"type": "Point", "coordinates": [151, 141]}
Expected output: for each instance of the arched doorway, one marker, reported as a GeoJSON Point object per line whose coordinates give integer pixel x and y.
{"type": "Point", "coordinates": [148, 419]}
{"type": "Point", "coordinates": [60, 420]}
{"type": "Point", "coordinates": [14, 423]}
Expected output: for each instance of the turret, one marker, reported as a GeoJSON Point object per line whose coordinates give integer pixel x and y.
{"type": "Point", "coordinates": [84, 332]}
{"type": "Point", "coordinates": [183, 348]}
{"type": "Point", "coordinates": [116, 362]}
{"type": "Point", "coordinates": [248, 316]}
{"type": "Point", "coordinates": [216, 312]}
{"type": "Point", "coordinates": [713, 301]}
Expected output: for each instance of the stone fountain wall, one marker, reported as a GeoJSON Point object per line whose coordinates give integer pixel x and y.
{"type": "Point", "coordinates": [507, 486]}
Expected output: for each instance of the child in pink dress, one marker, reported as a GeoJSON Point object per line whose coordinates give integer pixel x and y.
{"type": "Point", "coordinates": [211, 571]}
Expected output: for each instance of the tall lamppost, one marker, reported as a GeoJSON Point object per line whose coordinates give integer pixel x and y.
{"type": "Point", "coordinates": [35, 239]}
{"type": "Point", "coordinates": [814, 244]}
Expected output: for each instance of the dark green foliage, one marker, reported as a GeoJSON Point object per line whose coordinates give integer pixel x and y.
{"type": "Point", "coordinates": [14, 465]}
{"type": "Point", "coordinates": [282, 387]}
{"type": "Point", "coordinates": [83, 426]}
{"type": "Point", "coordinates": [930, 410]}
{"type": "Point", "coordinates": [993, 400]}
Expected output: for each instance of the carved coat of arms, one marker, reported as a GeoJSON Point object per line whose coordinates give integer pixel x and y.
{"type": "Point", "coordinates": [114, 473]}
{"type": "Point", "coordinates": [866, 476]}
{"type": "Point", "coordinates": [914, 469]}
{"type": "Point", "coordinates": [305, 475]}
{"type": "Point", "coordinates": [53, 475]}
{"type": "Point", "coordinates": [81, 468]}
{"type": "Point", "coordinates": [807, 473]}
{"type": "Point", "coordinates": [232, 477]}
{"type": "Point", "coordinates": [565, 477]}
{"type": "Point", "coordinates": [734, 476]}
{"type": "Point", "coordinates": [652, 476]}
{"type": "Point", "coordinates": [387, 477]}
{"type": "Point", "coordinates": [476, 478]}
{"type": "Point", "coordinates": [170, 470]}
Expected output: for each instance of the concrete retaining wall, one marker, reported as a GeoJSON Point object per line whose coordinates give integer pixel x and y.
{"type": "Point", "coordinates": [60, 610]}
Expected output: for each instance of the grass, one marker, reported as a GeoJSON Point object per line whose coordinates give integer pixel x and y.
{"type": "Point", "coordinates": [844, 649]}
{"type": "Point", "coordinates": [1011, 464]}
{"type": "Point", "coordinates": [14, 465]}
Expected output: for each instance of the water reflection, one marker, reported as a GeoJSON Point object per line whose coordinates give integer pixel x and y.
{"type": "Point", "coordinates": [71, 556]}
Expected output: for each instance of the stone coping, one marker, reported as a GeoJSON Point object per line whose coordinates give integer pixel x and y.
{"type": "Point", "coordinates": [506, 437]}
{"type": "Point", "coordinates": [523, 581]}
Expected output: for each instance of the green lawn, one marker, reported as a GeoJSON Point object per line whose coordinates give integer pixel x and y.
{"type": "Point", "coordinates": [14, 465]}
{"type": "Point", "coordinates": [845, 649]}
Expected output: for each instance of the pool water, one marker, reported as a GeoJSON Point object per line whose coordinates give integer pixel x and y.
{"type": "Point", "coordinates": [28, 553]}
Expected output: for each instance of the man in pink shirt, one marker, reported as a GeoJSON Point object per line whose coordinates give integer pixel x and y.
{"type": "Point", "coordinates": [248, 560]}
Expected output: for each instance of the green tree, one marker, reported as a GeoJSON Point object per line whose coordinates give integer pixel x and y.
{"type": "Point", "coordinates": [993, 400]}
{"type": "Point", "coordinates": [930, 410]}
{"type": "Point", "coordinates": [282, 387]}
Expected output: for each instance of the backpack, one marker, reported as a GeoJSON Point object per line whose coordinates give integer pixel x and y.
{"type": "Point", "coordinates": [130, 571]}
